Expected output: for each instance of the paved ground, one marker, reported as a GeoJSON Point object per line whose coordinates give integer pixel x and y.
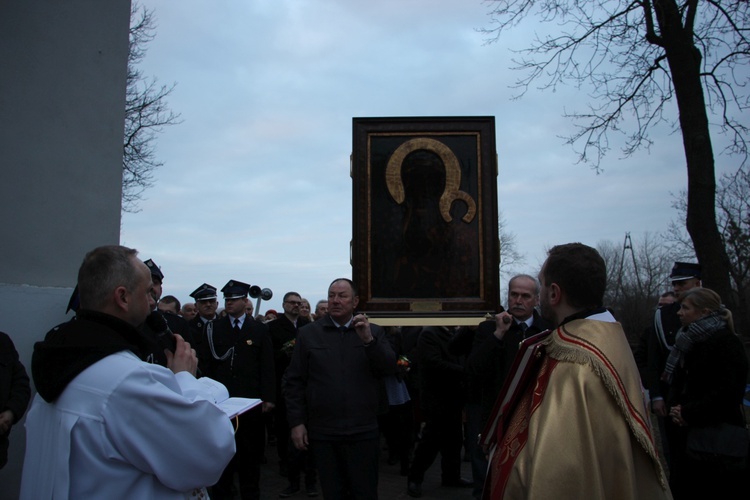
{"type": "Point", "coordinates": [392, 485]}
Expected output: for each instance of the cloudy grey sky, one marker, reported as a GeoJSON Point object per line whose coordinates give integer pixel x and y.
{"type": "Point", "coordinates": [255, 184]}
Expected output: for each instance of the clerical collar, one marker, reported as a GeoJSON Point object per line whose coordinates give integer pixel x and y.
{"type": "Point", "coordinates": [596, 314]}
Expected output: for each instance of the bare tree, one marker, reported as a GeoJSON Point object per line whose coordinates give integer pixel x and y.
{"type": "Point", "coordinates": [733, 202]}
{"type": "Point", "coordinates": [733, 220]}
{"type": "Point", "coordinates": [637, 273]}
{"type": "Point", "coordinates": [654, 264]}
{"type": "Point", "coordinates": [146, 113]}
{"type": "Point", "coordinates": [639, 56]}
{"type": "Point", "coordinates": [611, 253]}
{"type": "Point", "coordinates": [510, 257]}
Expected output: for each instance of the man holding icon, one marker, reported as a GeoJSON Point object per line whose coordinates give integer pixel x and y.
{"type": "Point", "coordinates": [333, 394]}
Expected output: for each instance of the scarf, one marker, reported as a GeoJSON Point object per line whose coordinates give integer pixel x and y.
{"type": "Point", "coordinates": [686, 338]}
{"type": "Point", "coordinates": [70, 348]}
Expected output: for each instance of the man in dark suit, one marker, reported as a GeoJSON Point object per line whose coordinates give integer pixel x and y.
{"type": "Point", "coordinates": [442, 379]}
{"type": "Point", "coordinates": [496, 341]}
{"type": "Point", "coordinates": [240, 356]}
{"type": "Point", "coordinates": [494, 347]}
{"type": "Point", "coordinates": [205, 306]}
{"type": "Point", "coordinates": [283, 332]}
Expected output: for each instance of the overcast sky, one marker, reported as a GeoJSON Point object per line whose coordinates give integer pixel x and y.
{"type": "Point", "coordinates": [255, 184]}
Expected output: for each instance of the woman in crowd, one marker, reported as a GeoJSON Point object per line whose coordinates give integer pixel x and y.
{"type": "Point", "coordinates": [304, 311]}
{"type": "Point", "coordinates": [707, 372]}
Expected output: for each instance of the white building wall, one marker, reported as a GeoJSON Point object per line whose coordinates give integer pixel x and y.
{"type": "Point", "coordinates": [62, 92]}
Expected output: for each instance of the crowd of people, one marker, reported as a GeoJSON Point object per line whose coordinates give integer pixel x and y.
{"type": "Point", "coordinates": [546, 398]}
{"type": "Point", "coordinates": [188, 310]}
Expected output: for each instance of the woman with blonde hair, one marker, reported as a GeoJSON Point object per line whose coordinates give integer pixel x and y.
{"type": "Point", "coordinates": [707, 372]}
{"type": "Point", "coordinates": [304, 310]}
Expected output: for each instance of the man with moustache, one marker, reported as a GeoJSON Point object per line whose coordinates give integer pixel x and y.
{"type": "Point", "coordinates": [492, 352]}
{"type": "Point", "coordinates": [332, 391]}
{"type": "Point", "coordinates": [205, 304]}
{"type": "Point", "coordinates": [578, 426]}
{"type": "Point", "coordinates": [496, 341]}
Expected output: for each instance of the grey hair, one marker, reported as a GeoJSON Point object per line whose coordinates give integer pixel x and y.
{"type": "Point", "coordinates": [103, 270]}
{"type": "Point", "coordinates": [537, 286]}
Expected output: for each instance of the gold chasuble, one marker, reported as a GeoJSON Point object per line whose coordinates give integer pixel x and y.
{"type": "Point", "coordinates": [583, 432]}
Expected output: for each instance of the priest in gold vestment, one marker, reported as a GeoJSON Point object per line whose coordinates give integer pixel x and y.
{"type": "Point", "coordinates": [577, 426]}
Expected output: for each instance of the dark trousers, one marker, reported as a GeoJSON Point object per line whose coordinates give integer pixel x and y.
{"type": "Point", "coordinates": [348, 470]}
{"type": "Point", "coordinates": [664, 438]}
{"type": "Point", "coordinates": [299, 461]}
{"type": "Point", "coordinates": [250, 439]}
{"type": "Point", "coordinates": [690, 479]}
{"type": "Point", "coordinates": [478, 458]}
{"type": "Point", "coordinates": [442, 433]}
{"type": "Point", "coordinates": [397, 426]}
{"type": "Point", "coordinates": [281, 431]}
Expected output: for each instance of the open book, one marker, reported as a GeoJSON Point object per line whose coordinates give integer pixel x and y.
{"type": "Point", "coordinates": [220, 397]}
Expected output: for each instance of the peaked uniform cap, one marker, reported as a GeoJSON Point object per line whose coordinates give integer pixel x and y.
{"type": "Point", "coordinates": [235, 290]}
{"type": "Point", "coordinates": [155, 271]}
{"type": "Point", "coordinates": [204, 292]}
{"type": "Point", "coordinates": [685, 271]}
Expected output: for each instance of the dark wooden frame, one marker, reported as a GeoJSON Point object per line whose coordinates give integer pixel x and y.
{"type": "Point", "coordinates": [425, 243]}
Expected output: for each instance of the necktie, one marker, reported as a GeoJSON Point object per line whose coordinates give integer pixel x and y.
{"type": "Point", "coordinates": [237, 325]}
{"type": "Point", "coordinates": [523, 326]}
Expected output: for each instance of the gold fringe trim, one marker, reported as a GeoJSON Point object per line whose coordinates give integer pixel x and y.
{"type": "Point", "coordinates": [561, 350]}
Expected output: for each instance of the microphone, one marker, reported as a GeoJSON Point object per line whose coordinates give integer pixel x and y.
{"type": "Point", "coordinates": [164, 336]}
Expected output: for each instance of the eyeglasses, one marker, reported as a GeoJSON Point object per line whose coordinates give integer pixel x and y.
{"type": "Point", "coordinates": [294, 302]}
